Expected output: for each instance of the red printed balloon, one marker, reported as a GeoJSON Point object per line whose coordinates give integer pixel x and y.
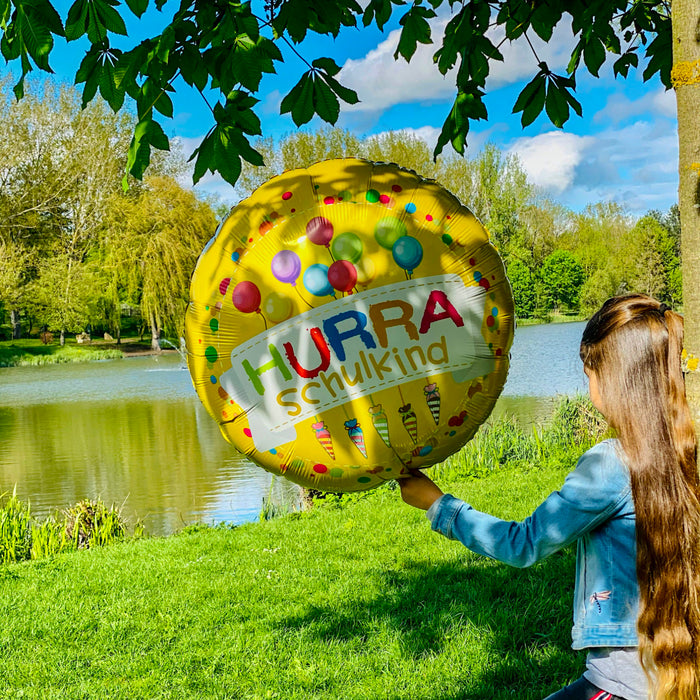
{"type": "Point", "coordinates": [319, 230]}
{"type": "Point", "coordinates": [342, 275]}
{"type": "Point", "coordinates": [246, 297]}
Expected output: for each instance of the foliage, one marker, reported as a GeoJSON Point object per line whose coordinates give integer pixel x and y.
{"type": "Point", "coordinates": [84, 525]}
{"type": "Point", "coordinates": [522, 282]}
{"type": "Point", "coordinates": [15, 529]}
{"type": "Point", "coordinates": [562, 276]}
{"type": "Point", "coordinates": [31, 353]}
{"type": "Point", "coordinates": [227, 47]}
{"type": "Point", "coordinates": [150, 245]}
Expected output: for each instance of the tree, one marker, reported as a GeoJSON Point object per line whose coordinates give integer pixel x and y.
{"type": "Point", "coordinates": [227, 46]}
{"type": "Point", "coordinates": [151, 242]}
{"type": "Point", "coordinates": [562, 277]}
{"type": "Point", "coordinates": [523, 284]}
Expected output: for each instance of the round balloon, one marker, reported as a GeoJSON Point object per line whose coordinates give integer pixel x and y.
{"type": "Point", "coordinates": [363, 323]}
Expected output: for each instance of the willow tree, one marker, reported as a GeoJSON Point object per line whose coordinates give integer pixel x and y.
{"type": "Point", "coordinates": [151, 242]}
{"type": "Point", "coordinates": [228, 45]}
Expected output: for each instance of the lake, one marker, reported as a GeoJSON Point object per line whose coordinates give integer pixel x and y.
{"type": "Point", "coordinates": [134, 433]}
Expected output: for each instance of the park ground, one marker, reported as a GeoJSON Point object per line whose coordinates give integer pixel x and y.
{"type": "Point", "coordinates": [354, 598]}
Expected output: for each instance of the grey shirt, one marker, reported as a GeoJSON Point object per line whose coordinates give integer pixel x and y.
{"type": "Point", "coordinates": [617, 670]}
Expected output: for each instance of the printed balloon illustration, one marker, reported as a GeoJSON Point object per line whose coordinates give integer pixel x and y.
{"type": "Point", "coordinates": [348, 322]}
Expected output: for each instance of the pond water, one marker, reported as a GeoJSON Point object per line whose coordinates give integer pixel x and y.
{"type": "Point", "coordinates": [133, 432]}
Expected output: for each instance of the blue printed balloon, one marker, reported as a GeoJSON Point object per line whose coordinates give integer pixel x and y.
{"type": "Point", "coordinates": [316, 280]}
{"type": "Point", "coordinates": [408, 253]}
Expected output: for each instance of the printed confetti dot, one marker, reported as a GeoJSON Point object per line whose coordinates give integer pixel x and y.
{"type": "Point", "coordinates": [372, 196]}
{"type": "Point", "coordinates": [214, 325]}
{"type": "Point", "coordinates": [472, 261]}
{"type": "Point", "coordinates": [286, 196]}
{"type": "Point", "coordinates": [428, 217]}
{"type": "Point", "coordinates": [364, 480]}
{"type": "Point", "coordinates": [396, 188]}
{"type": "Point", "coordinates": [385, 199]}
{"type": "Point", "coordinates": [329, 200]}
{"type": "Point", "coordinates": [247, 433]}
{"type": "Point", "coordinates": [211, 354]}
{"type": "Point", "coordinates": [320, 468]}
{"type": "Point", "coordinates": [265, 226]}
{"type": "Point", "coordinates": [212, 379]}
{"type": "Point", "coordinates": [336, 472]}
{"type": "Point", "coordinates": [446, 238]}
{"type": "Point", "coordinates": [410, 208]}
{"type": "Point", "coordinates": [490, 321]}
{"type": "Point", "coordinates": [273, 451]}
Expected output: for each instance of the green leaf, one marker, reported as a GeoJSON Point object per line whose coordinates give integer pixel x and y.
{"type": "Point", "coordinates": [415, 30]}
{"type": "Point", "coordinates": [328, 65]}
{"type": "Point", "coordinates": [193, 68]}
{"type": "Point", "coordinates": [36, 37]}
{"type": "Point", "coordinates": [467, 106]}
{"type": "Point", "coordinates": [205, 157]}
{"type": "Point", "coordinates": [622, 65]}
{"type": "Point", "coordinates": [594, 55]}
{"type": "Point", "coordinates": [138, 7]}
{"type": "Point", "coordinates": [556, 105]}
{"type": "Point", "coordinates": [111, 19]}
{"type": "Point", "coordinates": [96, 29]}
{"type": "Point", "coordinates": [76, 22]}
{"type": "Point", "coordinates": [531, 99]}
{"type": "Point", "coordinates": [325, 102]}
{"type": "Point", "coordinates": [300, 100]}
{"type": "Point", "coordinates": [345, 94]}
{"type": "Point", "coordinates": [380, 11]}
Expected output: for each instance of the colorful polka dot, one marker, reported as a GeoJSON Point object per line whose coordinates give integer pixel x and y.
{"type": "Point", "coordinates": [211, 354]}
{"type": "Point", "coordinates": [372, 196]}
{"type": "Point", "coordinates": [273, 451]}
{"type": "Point", "coordinates": [477, 276]}
{"type": "Point", "coordinates": [265, 226]}
{"type": "Point", "coordinates": [286, 196]}
{"type": "Point", "coordinates": [223, 285]}
{"type": "Point", "coordinates": [247, 433]}
{"type": "Point", "coordinates": [428, 217]}
{"type": "Point", "coordinates": [472, 261]}
{"type": "Point", "coordinates": [490, 321]}
{"type": "Point", "coordinates": [384, 198]}
{"type": "Point", "coordinates": [329, 200]}
{"type": "Point", "coordinates": [364, 480]}
{"type": "Point", "coordinates": [410, 208]}
{"type": "Point", "coordinates": [336, 472]}
{"type": "Point", "coordinates": [396, 188]}
{"type": "Point", "coordinates": [494, 311]}
{"type": "Point", "coordinates": [212, 379]}
{"type": "Point", "coordinates": [320, 468]}
{"type": "Point", "coordinates": [446, 239]}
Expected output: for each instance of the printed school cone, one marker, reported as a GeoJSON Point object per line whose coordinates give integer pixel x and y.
{"type": "Point", "coordinates": [324, 437]}
{"type": "Point", "coordinates": [432, 397]}
{"type": "Point", "coordinates": [380, 423]}
{"type": "Point", "coordinates": [410, 421]}
{"type": "Point", "coordinates": [356, 435]}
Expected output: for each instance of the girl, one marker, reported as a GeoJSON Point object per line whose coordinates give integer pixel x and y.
{"type": "Point", "coordinates": [632, 505]}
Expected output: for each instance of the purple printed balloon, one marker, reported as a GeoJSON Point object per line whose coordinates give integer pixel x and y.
{"type": "Point", "coordinates": [286, 266]}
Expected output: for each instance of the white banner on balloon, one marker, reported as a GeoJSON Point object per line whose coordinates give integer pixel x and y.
{"type": "Point", "coordinates": [354, 346]}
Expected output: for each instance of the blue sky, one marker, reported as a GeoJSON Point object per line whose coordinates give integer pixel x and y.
{"type": "Point", "coordinates": [624, 149]}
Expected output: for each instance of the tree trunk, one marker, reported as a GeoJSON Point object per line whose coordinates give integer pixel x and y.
{"type": "Point", "coordinates": [686, 81]}
{"type": "Point", "coordinates": [155, 334]}
{"type": "Point", "coordinates": [16, 324]}
{"type": "Point", "coordinates": [63, 337]}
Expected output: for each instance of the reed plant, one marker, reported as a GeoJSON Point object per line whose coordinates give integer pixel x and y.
{"type": "Point", "coordinates": [574, 427]}
{"type": "Point", "coordinates": [15, 529]}
{"type": "Point", "coordinates": [86, 524]}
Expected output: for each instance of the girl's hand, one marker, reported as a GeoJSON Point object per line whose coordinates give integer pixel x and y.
{"type": "Point", "coordinates": [419, 491]}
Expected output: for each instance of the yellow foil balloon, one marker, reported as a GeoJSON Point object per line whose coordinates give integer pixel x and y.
{"type": "Point", "coordinates": [341, 371]}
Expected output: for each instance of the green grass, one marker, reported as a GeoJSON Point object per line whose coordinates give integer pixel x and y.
{"type": "Point", "coordinates": [32, 352]}
{"type": "Point", "coordinates": [356, 598]}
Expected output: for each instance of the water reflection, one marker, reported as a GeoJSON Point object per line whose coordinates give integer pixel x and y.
{"type": "Point", "coordinates": [133, 432]}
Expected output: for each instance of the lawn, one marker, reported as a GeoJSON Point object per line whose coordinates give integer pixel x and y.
{"type": "Point", "coordinates": [356, 600]}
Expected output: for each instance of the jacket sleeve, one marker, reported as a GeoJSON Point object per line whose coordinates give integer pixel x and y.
{"type": "Point", "coordinates": [590, 495]}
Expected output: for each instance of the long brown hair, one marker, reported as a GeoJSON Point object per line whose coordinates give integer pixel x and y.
{"type": "Point", "coordinates": [633, 345]}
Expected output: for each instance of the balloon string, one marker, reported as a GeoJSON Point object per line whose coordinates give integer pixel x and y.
{"type": "Point", "coordinates": [262, 317]}
{"type": "Point", "coordinates": [296, 289]}
{"type": "Point", "coordinates": [403, 402]}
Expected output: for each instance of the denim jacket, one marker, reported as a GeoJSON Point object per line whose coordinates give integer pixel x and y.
{"type": "Point", "coordinates": [594, 506]}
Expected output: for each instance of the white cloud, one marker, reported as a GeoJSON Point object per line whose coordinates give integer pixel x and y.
{"type": "Point", "coordinates": [427, 134]}
{"type": "Point", "coordinates": [619, 108]}
{"type": "Point", "coordinates": [381, 81]}
{"type": "Point", "coordinates": [550, 160]}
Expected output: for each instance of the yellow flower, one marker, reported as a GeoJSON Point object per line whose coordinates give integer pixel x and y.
{"type": "Point", "coordinates": [692, 364]}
